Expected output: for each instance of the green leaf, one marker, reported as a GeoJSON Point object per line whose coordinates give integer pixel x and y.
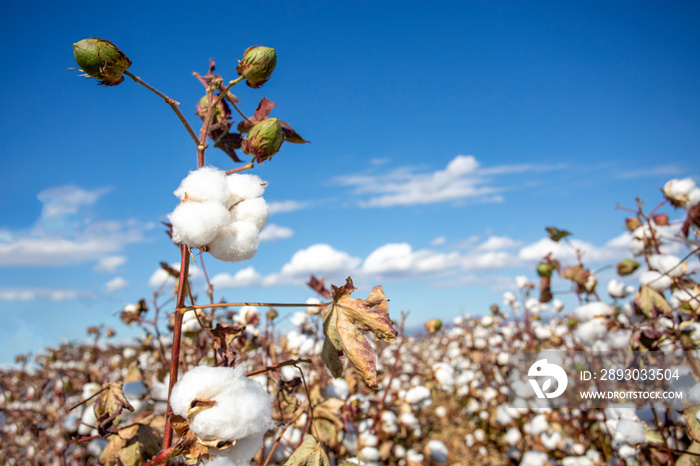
{"type": "Point", "coordinates": [555, 234]}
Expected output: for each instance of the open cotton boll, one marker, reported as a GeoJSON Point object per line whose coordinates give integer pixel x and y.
{"type": "Point", "coordinates": [667, 264]}
{"type": "Point", "coordinates": [534, 458]}
{"type": "Point", "coordinates": [655, 280]}
{"type": "Point", "coordinates": [197, 223]}
{"type": "Point", "coordinates": [204, 184]}
{"type": "Point", "coordinates": [591, 310]}
{"type": "Point", "coordinates": [678, 191]}
{"type": "Point", "coordinates": [437, 451]}
{"type": "Point", "coordinates": [254, 211]}
{"type": "Point", "coordinates": [592, 331]}
{"type": "Point", "coordinates": [234, 243]}
{"type": "Point", "coordinates": [243, 186]}
{"type": "Point", "coordinates": [629, 432]}
{"type": "Point", "coordinates": [242, 411]}
{"type": "Point", "coordinates": [618, 289]}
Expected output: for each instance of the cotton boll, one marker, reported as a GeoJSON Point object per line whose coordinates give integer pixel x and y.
{"type": "Point", "coordinates": [591, 310]}
{"type": "Point", "coordinates": [236, 242]}
{"type": "Point", "coordinates": [655, 280]}
{"type": "Point", "coordinates": [557, 305]}
{"type": "Point", "coordinates": [242, 187]}
{"type": "Point", "coordinates": [338, 388]}
{"type": "Point", "coordinates": [509, 298]}
{"type": "Point", "coordinates": [550, 440]}
{"type": "Point", "coordinates": [445, 374]}
{"type": "Point", "coordinates": [254, 211]}
{"type": "Point", "coordinates": [681, 297]}
{"type": "Point", "coordinates": [667, 264]}
{"type": "Point", "coordinates": [369, 454]}
{"type": "Point", "coordinates": [534, 458]}
{"type": "Point", "coordinates": [298, 319]}
{"type": "Point", "coordinates": [677, 191]}
{"type": "Point", "coordinates": [242, 411]}
{"type": "Point", "coordinates": [591, 331]}
{"type": "Point", "coordinates": [512, 436]}
{"type": "Point", "coordinates": [537, 425]}
{"type": "Point", "coordinates": [693, 199]}
{"type": "Point", "coordinates": [436, 451]}
{"type": "Point", "coordinates": [389, 422]}
{"type": "Point", "coordinates": [204, 184]}
{"type": "Point", "coordinates": [313, 310]}
{"type": "Point", "coordinates": [197, 223]}
{"type": "Point", "coordinates": [618, 289]}
{"type": "Point", "coordinates": [419, 396]}
{"type": "Point", "coordinates": [521, 281]}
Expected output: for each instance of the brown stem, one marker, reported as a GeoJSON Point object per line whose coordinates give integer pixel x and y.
{"type": "Point", "coordinates": [184, 308]}
{"type": "Point", "coordinates": [291, 362]}
{"type": "Point", "coordinates": [177, 333]}
{"type": "Point", "coordinates": [173, 104]}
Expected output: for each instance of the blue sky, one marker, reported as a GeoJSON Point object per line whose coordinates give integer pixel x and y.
{"type": "Point", "coordinates": [444, 140]}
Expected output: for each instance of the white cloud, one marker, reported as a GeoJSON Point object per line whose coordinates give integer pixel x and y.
{"type": "Point", "coordinates": [58, 241]}
{"type": "Point", "coordinates": [661, 170]}
{"type": "Point", "coordinates": [285, 206]}
{"type": "Point", "coordinates": [439, 241]}
{"type": "Point", "coordinates": [117, 283]}
{"type": "Point", "coordinates": [109, 264]}
{"type": "Point", "coordinates": [491, 260]}
{"type": "Point", "coordinates": [62, 200]}
{"type": "Point", "coordinates": [460, 179]}
{"type": "Point", "coordinates": [494, 243]}
{"type": "Point", "coordinates": [43, 294]}
{"type": "Point", "coordinates": [399, 260]}
{"type": "Point", "coordinates": [246, 277]}
{"type": "Point", "coordinates": [320, 259]}
{"type": "Point", "coordinates": [273, 232]}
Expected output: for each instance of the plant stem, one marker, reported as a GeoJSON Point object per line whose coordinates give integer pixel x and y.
{"type": "Point", "coordinates": [247, 166]}
{"type": "Point", "coordinates": [184, 308]}
{"type": "Point", "coordinates": [177, 332]}
{"type": "Point", "coordinates": [173, 104]}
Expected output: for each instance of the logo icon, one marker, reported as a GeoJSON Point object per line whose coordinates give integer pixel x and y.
{"type": "Point", "coordinates": [542, 368]}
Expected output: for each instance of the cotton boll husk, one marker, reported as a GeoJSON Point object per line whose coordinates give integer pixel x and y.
{"type": "Point", "coordinates": [254, 211]}
{"type": "Point", "coordinates": [197, 223]}
{"type": "Point", "coordinates": [667, 264]}
{"type": "Point", "coordinates": [655, 280]}
{"type": "Point", "coordinates": [242, 187]}
{"type": "Point", "coordinates": [204, 184]}
{"type": "Point", "coordinates": [236, 242]}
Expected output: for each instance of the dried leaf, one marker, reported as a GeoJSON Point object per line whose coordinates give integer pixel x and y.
{"type": "Point", "coordinates": [290, 135]}
{"type": "Point", "coordinates": [343, 323]}
{"type": "Point", "coordinates": [318, 286]}
{"type": "Point", "coordinates": [690, 458]}
{"type": "Point", "coordinates": [309, 453]}
{"type": "Point", "coordinates": [228, 143]}
{"type": "Point", "coordinates": [650, 302]}
{"type": "Point", "coordinates": [556, 235]}
{"type": "Point", "coordinates": [223, 337]}
{"type": "Point", "coordinates": [132, 446]}
{"type": "Point", "coordinates": [109, 404]}
{"type": "Point", "coordinates": [689, 414]}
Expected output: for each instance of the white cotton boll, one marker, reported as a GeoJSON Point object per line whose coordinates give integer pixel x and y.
{"type": "Point", "coordinates": [190, 324]}
{"type": "Point", "coordinates": [88, 421]}
{"type": "Point", "coordinates": [197, 223]}
{"type": "Point", "coordinates": [681, 297]}
{"type": "Point", "coordinates": [437, 451]}
{"type": "Point", "coordinates": [521, 281]}
{"type": "Point", "coordinates": [591, 331]}
{"type": "Point", "coordinates": [298, 318]}
{"type": "Point", "coordinates": [479, 435]}
{"type": "Point", "coordinates": [242, 410]}
{"type": "Point", "coordinates": [591, 310]}
{"type": "Point", "coordinates": [667, 264]}
{"type": "Point", "coordinates": [533, 305]}
{"type": "Point", "coordinates": [694, 395]}
{"type": "Point", "coordinates": [512, 436]}
{"type": "Point", "coordinates": [242, 186]}
{"type": "Point", "coordinates": [502, 358]}
{"type": "Point", "coordinates": [369, 454]}
{"type": "Point", "coordinates": [419, 396]}
{"type": "Point", "coordinates": [311, 310]}
{"type": "Point", "coordinates": [637, 247]}
{"type": "Point", "coordinates": [678, 191]}
{"type": "Point", "coordinates": [89, 389]}
{"type": "Point", "coordinates": [254, 211]}
{"type": "Point", "coordinates": [234, 243]}
{"type": "Point", "coordinates": [550, 440]}
{"type": "Point", "coordinates": [409, 420]}
{"type": "Point", "coordinates": [655, 280]}
{"type": "Point", "coordinates": [389, 422]}
{"type": "Point", "coordinates": [445, 374]}
{"type": "Point", "coordinates": [508, 298]}
{"type": "Point", "coordinates": [503, 416]}
{"type": "Point", "coordinates": [534, 458]}
{"type": "Point", "coordinates": [542, 332]}
{"type": "Point", "coordinates": [487, 321]}
{"type": "Point", "coordinates": [619, 339]}
{"type": "Point", "coordinates": [537, 425]}
{"type": "Point", "coordinates": [557, 305]}
{"type": "Point", "coordinates": [627, 452]}
{"type": "Point", "coordinates": [247, 314]}
{"type": "Point", "coordinates": [441, 411]}
{"type": "Point", "coordinates": [289, 373]}
{"type": "Point", "coordinates": [577, 461]}
{"type": "Point", "coordinates": [693, 199]}
{"type": "Point", "coordinates": [414, 457]}
{"type": "Point", "coordinates": [204, 184]}
{"type": "Point", "coordinates": [618, 289]}
{"type": "Point", "coordinates": [338, 388]}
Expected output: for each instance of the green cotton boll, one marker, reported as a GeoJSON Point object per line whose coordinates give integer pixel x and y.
{"type": "Point", "coordinates": [102, 60]}
{"type": "Point", "coordinates": [257, 65]}
{"type": "Point", "coordinates": [264, 139]}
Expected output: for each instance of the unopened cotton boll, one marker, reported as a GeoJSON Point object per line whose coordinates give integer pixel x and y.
{"type": "Point", "coordinates": [242, 187]}
{"type": "Point", "coordinates": [197, 223]}
{"type": "Point", "coordinates": [254, 211]}
{"type": "Point", "coordinates": [204, 184]}
{"type": "Point", "coordinates": [236, 242]}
